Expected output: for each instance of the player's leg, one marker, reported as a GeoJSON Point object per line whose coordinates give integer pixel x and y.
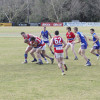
{"type": "Point", "coordinates": [60, 65]}
{"type": "Point", "coordinates": [79, 51]}
{"type": "Point", "coordinates": [38, 52]}
{"type": "Point", "coordinates": [73, 50]}
{"type": "Point", "coordinates": [66, 50]}
{"type": "Point", "coordinates": [62, 61]}
{"type": "Point", "coordinates": [32, 54]}
{"type": "Point", "coordinates": [93, 51]}
{"type": "Point", "coordinates": [44, 53]}
{"type": "Point", "coordinates": [98, 52]}
{"type": "Point", "coordinates": [84, 56]}
{"type": "Point", "coordinates": [26, 53]}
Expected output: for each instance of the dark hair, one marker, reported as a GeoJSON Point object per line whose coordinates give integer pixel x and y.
{"type": "Point", "coordinates": [22, 33]}
{"type": "Point", "coordinates": [69, 28]}
{"type": "Point", "coordinates": [32, 39]}
{"type": "Point", "coordinates": [76, 28]}
{"type": "Point", "coordinates": [92, 29]}
{"type": "Point", "coordinates": [56, 32]}
{"type": "Point", "coordinates": [26, 41]}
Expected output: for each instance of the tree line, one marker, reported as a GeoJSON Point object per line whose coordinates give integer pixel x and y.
{"type": "Point", "coordinates": [27, 11]}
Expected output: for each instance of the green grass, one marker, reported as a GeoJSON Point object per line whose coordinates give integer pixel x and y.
{"type": "Point", "coordinates": [34, 82]}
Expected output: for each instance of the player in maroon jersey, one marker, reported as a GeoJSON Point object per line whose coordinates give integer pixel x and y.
{"type": "Point", "coordinates": [70, 42]}
{"type": "Point", "coordinates": [58, 42]}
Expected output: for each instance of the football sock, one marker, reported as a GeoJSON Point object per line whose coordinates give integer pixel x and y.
{"type": "Point", "coordinates": [42, 55]}
{"type": "Point", "coordinates": [62, 71]}
{"type": "Point", "coordinates": [25, 55]}
{"type": "Point", "coordinates": [45, 59]}
{"type": "Point", "coordinates": [52, 52]}
{"type": "Point", "coordinates": [97, 54]}
{"type": "Point", "coordinates": [35, 59]}
{"type": "Point", "coordinates": [40, 60]}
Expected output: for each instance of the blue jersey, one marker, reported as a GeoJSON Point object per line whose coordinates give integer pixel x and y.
{"type": "Point", "coordinates": [94, 39]}
{"type": "Point", "coordinates": [82, 38]}
{"type": "Point", "coordinates": [45, 35]}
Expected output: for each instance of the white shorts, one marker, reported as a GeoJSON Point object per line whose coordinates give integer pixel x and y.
{"type": "Point", "coordinates": [69, 44]}
{"type": "Point", "coordinates": [59, 55]}
{"type": "Point", "coordinates": [42, 48]}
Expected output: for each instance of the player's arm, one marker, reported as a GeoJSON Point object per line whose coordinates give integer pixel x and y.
{"type": "Point", "coordinates": [97, 38]}
{"type": "Point", "coordinates": [79, 40]}
{"type": "Point", "coordinates": [90, 40]}
{"type": "Point", "coordinates": [31, 35]}
{"type": "Point", "coordinates": [64, 43]}
{"type": "Point", "coordinates": [40, 35]}
{"type": "Point", "coordinates": [86, 39]}
{"type": "Point", "coordinates": [49, 35]}
{"type": "Point", "coordinates": [74, 36]}
{"type": "Point", "coordinates": [34, 44]}
{"type": "Point", "coordinates": [51, 43]}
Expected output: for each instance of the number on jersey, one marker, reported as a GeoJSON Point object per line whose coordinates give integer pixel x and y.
{"type": "Point", "coordinates": [58, 40]}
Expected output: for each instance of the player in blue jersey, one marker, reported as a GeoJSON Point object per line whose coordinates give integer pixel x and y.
{"type": "Point", "coordinates": [96, 43]}
{"type": "Point", "coordinates": [83, 40]}
{"type": "Point", "coordinates": [45, 35]}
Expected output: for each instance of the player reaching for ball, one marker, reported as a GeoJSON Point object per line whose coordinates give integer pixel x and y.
{"type": "Point", "coordinates": [31, 52]}
{"type": "Point", "coordinates": [58, 42]}
{"type": "Point", "coordinates": [29, 47]}
{"type": "Point", "coordinates": [83, 40]}
{"type": "Point", "coordinates": [38, 47]}
{"type": "Point", "coordinates": [96, 43]}
{"type": "Point", "coordinates": [45, 35]}
{"type": "Point", "coordinates": [70, 42]}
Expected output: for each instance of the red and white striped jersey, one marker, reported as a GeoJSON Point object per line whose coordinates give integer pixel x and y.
{"type": "Point", "coordinates": [28, 37]}
{"type": "Point", "coordinates": [57, 41]}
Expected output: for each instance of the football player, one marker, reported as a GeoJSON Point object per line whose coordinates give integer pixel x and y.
{"type": "Point", "coordinates": [70, 43]}
{"type": "Point", "coordinates": [45, 35]}
{"type": "Point", "coordinates": [83, 40]}
{"type": "Point", "coordinates": [96, 43]}
{"type": "Point", "coordinates": [29, 47]}
{"type": "Point", "coordinates": [58, 42]}
{"type": "Point", "coordinates": [39, 46]}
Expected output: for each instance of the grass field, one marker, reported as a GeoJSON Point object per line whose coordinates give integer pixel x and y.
{"type": "Point", "coordinates": [34, 82]}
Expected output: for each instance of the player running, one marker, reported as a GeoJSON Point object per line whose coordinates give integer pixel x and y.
{"type": "Point", "coordinates": [57, 41]}
{"type": "Point", "coordinates": [39, 46]}
{"type": "Point", "coordinates": [96, 44]}
{"type": "Point", "coordinates": [45, 35]}
{"type": "Point", "coordinates": [29, 47]}
{"type": "Point", "coordinates": [70, 43]}
{"type": "Point", "coordinates": [82, 38]}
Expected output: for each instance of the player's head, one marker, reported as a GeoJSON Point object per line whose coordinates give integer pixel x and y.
{"type": "Point", "coordinates": [26, 41]}
{"type": "Point", "coordinates": [32, 39]}
{"type": "Point", "coordinates": [92, 30]}
{"type": "Point", "coordinates": [44, 28]}
{"type": "Point", "coordinates": [68, 29]}
{"type": "Point", "coordinates": [56, 32]}
{"type": "Point", "coordinates": [75, 29]}
{"type": "Point", "coordinates": [23, 34]}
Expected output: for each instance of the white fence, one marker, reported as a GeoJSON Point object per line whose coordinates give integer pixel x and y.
{"type": "Point", "coordinates": [81, 24]}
